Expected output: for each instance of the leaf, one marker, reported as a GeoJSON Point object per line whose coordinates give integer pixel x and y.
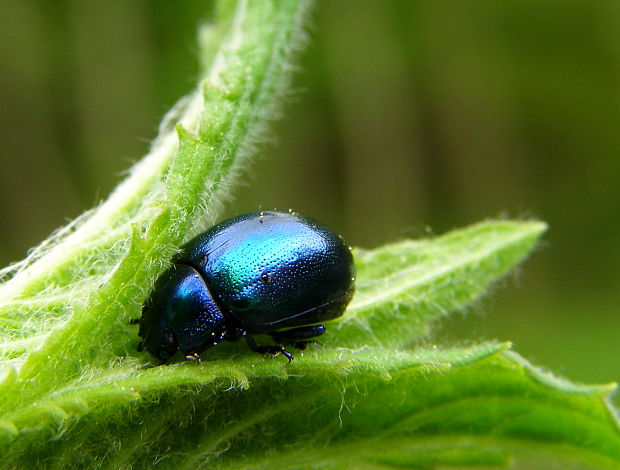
{"type": "Point", "coordinates": [329, 409]}
{"type": "Point", "coordinates": [366, 407]}
{"type": "Point", "coordinates": [405, 285]}
{"type": "Point", "coordinates": [76, 394]}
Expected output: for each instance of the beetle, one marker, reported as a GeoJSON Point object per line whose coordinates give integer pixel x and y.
{"type": "Point", "coordinates": [268, 272]}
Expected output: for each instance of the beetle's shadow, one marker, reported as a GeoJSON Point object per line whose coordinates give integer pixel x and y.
{"type": "Point", "coordinates": [226, 350]}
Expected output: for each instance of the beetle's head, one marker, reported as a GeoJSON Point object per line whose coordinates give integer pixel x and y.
{"type": "Point", "coordinates": [181, 314]}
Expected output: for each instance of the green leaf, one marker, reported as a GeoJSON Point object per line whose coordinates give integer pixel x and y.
{"type": "Point", "coordinates": [76, 394]}
{"type": "Point", "coordinates": [329, 409]}
{"type": "Point", "coordinates": [403, 286]}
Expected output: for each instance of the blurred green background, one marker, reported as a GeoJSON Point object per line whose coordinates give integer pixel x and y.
{"type": "Point", "coordinates": [407, 117]}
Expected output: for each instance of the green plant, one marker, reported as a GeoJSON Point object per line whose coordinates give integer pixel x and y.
{"type": "Point", "coordinates": [77, 394]}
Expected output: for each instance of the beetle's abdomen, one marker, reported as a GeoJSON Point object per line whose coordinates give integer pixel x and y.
{"type": "Point", "coordinates": [274, 269]}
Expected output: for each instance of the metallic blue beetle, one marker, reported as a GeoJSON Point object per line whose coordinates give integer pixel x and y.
{"type": "Point", "coordinates": [274, 273]}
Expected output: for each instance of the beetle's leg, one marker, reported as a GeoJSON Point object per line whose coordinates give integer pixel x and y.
{"type": "Point", "coordinates": [274, 350]}
{"type": "Point", "coordinates": [298, 337]}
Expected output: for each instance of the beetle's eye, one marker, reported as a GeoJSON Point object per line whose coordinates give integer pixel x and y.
{"type": "Point", "coordinates": [266, 278]}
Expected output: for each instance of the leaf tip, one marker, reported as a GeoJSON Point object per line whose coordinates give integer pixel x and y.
{"type": "Point", "coordinates": [537, 227]}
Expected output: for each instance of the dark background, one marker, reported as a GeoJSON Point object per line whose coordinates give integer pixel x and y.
{"type": "Point", "coordinates": [408, 116]}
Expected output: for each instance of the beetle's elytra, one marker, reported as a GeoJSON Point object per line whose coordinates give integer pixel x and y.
{"type": "Point", "coordinates": [274, 273]}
